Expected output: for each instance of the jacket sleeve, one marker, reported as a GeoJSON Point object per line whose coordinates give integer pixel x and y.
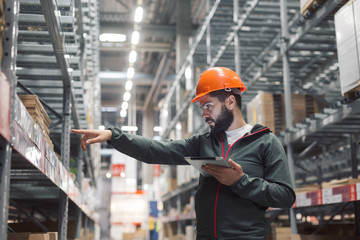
{"type": "Point", "coordinates": [275, 188]}
{"type": "Point", "coordinates": [153, 151]}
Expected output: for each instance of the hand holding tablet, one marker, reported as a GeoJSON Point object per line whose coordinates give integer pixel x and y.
{"type": "Point", "coordinates": [198, 162]}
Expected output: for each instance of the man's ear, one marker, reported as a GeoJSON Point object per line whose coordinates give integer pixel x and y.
{"type": "Point", "coordinates": [230, 102]}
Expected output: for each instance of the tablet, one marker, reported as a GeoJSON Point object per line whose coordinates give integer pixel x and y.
{"type": "Point", "coordinates": [197, 162]}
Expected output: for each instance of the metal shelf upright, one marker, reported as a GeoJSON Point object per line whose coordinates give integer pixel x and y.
{"type": "Point", "coordinates": [42, 56]}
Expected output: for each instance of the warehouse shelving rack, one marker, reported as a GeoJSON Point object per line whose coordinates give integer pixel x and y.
{"type": "Point", "coordinates": [46, 43]}
{"type": "Point", "coordinates": [276, 49]}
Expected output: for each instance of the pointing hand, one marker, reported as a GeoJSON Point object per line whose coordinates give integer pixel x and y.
{"type": "Point", "coordinates": [92, 136]}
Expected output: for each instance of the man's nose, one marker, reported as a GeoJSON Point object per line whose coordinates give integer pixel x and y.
{"type": "Point", "coordinates": [205, 114]}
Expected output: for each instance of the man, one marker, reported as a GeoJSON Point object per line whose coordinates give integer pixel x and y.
{"type": "Point", "coordinates": [232, 203]}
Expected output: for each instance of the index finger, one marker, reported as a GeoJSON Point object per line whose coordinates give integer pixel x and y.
{"type": "Point", "coordinates": [80, 131]}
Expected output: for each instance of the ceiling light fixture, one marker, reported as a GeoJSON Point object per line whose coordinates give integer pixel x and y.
{"type": "Point", "coordinates": [245, 28]}
{"type": "Point", "coordinates": [127, 96]}
{"type": "Point", "coordinates": [138, 14]}
{"type": "Point", "coordinates": [112, 37]}
{"type": "Point", "coordinates": [125, 105]}
{"type": "Point", "coordinates": [128, 85]}
{"type": "Point", "coordinates": [188, 73]}
{"type": "Point", "coordinates": [135, 36]}
{"type": "Point", "coordinates": [109, 109]}
{"type": "Point", "coordinates": [157, 129]}
{"type": "Point", "coordinates": [132, 56]}
{"type": "Point", "coordinates": [130, 72]}
{"type": "Point", "coordinates": [123, 113]}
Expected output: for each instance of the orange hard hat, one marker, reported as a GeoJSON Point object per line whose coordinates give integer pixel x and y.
{"type": "Point", "coordinates": [217, 78]}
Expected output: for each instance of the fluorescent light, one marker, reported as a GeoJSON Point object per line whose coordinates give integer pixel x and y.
{"type": "Point", "coordinates": [125, 105]}
{"type": "Point", "coordinates": [109, 109]}
{"type": "Point", "coordinates": [127, 96]}
{"type": "Point", "coordinates": [130, 72]}
{"type": "Point", "coordinates": [245, 28]}
{"type": "Point", "coordinates": [123, 113]}
{"type": "Point", "coordinates": [138, 14]}
{"type": "Point", "coordinates": [128, 85]}
{"type": "Point", "coordinates": [157, 129]}
{"type": "Point", "coordinates": [112, 37]}
{"type": "Point", "coordinates": [129, 128]}
{"type": "Point", "coordinates": [178, 126]}
{"type": "Point", "coordinates": [101, 127]}
{"type": "Point", "coordinates": [135, 37]}
{"type": "Point", "coordinates": [305, 53]}
{"type": "Point", "coordinates": [132, 56]}
{"type": "Point", "coordinates": [294, 59]}
{"type": "Point", "coordinates": [188, 73]}
{"type": "Point", "coordinates": [108, 175]}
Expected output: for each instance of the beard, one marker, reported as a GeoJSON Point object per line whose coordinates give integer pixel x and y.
{"type": "Point", "coordinates": [223, 122]}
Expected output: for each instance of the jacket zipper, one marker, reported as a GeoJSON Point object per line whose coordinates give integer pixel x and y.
{"type": "Point", "coordinates": [218, 186]}
{"type": "Point", "coordinates": [217, 190]}
{"type": "Point", "coordinates": [216, 199]}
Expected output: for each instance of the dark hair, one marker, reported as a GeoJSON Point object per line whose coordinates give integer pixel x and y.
{"type": "Point", "coordinates": [222, 95]}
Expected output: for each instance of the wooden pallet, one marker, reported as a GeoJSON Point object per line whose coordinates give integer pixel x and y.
{"type": "Point", "coordinates": [340, 182]}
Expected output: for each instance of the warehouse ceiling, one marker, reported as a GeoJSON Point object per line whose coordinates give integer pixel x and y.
{"type": "Point", "coordinates": [312, 57]}
{"type": "Point", "coordinates": [155, 64]}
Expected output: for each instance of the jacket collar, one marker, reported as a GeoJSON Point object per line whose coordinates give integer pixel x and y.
{"type": "Point", "coordinates": [257, 129]}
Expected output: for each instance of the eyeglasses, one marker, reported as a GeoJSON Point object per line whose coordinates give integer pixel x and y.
{"type": "Point", "coordinates": [207, 106]}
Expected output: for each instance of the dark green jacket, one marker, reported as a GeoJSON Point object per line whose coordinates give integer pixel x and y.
{"type": "Point", "coordinates": [222, 212]}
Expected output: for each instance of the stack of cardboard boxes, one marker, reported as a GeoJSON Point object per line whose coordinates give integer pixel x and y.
{"type": "Point", "coordinates": [39, 115]}
{"type": "Point", "coordinates": [268, 109]}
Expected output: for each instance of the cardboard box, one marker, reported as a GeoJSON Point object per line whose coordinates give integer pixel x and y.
{"type": "Point", "coordinates": [128, 236]}
{"type": "Point", "coordinates": [30, 228]}
{"type": "Point", "coordinates": [37, 111]}
{"type": "Point", "coordinates": [281, 233]}
{"type": "Point", "coordinates": [28, 236]}
{"type": "Point", "coordinates": [268, 109]}
{"type": "Point", "coordinates": [4, 107]}
{"type": "Point", "coordinates": [53, 236]}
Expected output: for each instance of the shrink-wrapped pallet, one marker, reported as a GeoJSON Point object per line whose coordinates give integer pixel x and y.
{"type": "Point", "coordinates": [347, 26]}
